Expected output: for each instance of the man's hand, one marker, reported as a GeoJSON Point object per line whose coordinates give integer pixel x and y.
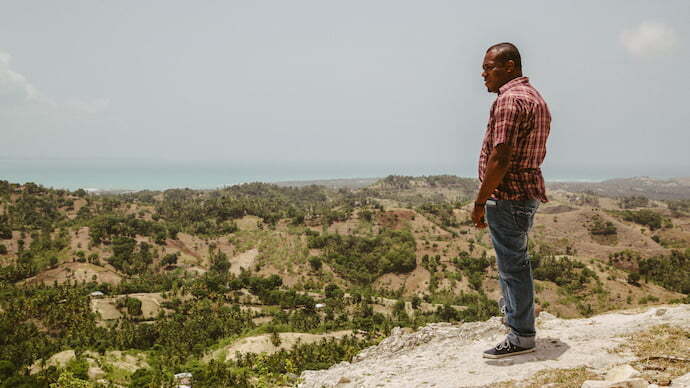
{"type": "Point", "coordinates": [478, 217]}
{"type": "Point", "coordinates": [496, 168]}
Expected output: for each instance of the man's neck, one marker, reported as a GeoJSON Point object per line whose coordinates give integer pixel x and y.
{"type": "Point", "coordinates": [518, 75]}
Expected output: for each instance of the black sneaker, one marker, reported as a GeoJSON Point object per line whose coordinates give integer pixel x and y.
{"type": "Point", "coordinates": [506, 349]}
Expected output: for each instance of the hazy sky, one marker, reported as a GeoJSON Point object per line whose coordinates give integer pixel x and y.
{"type": "Point", "coordinates": [358, 82]}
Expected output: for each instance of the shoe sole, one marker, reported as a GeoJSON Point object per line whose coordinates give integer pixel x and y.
{"type": "Point", "coordinates": [495, 356]}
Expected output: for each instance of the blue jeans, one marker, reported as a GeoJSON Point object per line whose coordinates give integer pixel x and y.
{"type": "Point", "coordinates": [509, 222]}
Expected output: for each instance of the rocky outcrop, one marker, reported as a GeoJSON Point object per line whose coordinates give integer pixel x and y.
{"type": "Point", "coordinates": [446, 355]}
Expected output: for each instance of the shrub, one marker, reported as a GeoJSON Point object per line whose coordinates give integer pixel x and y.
{"type": "Point", "coordinates": [5, 232]}
{"type": "Point", "coordinates": [219, 261]}
{"type": "Point", "coordinates": [169, 260]}
{"type": "Point", "coordinates": [133, 305]}
{"type": "Point", "coordinates": [633, 202]}
{"type": "Point", "coordinates": [141, 378]}
{"type": "Point", "coordinates": [563, 271]}
{"type": "Point", "coordinates": [130, 257]}
{"type": "Point", "coordinates": [648, 298]}
{"type": "Point", "coordinates": [416, 301]}
{"type": "Point", "coordinates": [366, 215]}
{"type": "Point", "coordinates": [634, 278]}
{"type": "Point", "coordinates": [315, 263]}
{"type": "Point", "coordinates": [275, 338]}
{"type": "Point", "coordinates": [333, 291]}
{"type": "Point", "coordinates": [672, 271]}
{"type": "Point", "coordinates": [79, 368]}
{"type": "Point", "coordinates": [363, 259]}
{"type": "Point", "coordinates": [599, 227]}
{"type": "Point", "coordinates": [646, 217]}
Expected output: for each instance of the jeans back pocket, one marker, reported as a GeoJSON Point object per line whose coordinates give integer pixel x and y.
{"type": "Point", "coordinates": [523, 214]}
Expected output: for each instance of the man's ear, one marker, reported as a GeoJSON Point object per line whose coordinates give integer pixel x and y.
{"type": "Point", "coordinates": [510, 66]}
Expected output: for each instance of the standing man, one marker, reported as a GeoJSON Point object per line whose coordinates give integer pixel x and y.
{"type": "Point", "coordinates": [511, 188]}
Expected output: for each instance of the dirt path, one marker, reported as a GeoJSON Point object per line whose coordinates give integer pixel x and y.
{"type": "Point", "coordinates": [183, 248]}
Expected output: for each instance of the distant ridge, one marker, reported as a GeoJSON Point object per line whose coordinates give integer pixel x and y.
{"type": "Point", "coordinates": [653, 188]}
{"type": "Point", "coordinates": [350, 183]}
{"type": "Point", "coordinates": [650, 187]}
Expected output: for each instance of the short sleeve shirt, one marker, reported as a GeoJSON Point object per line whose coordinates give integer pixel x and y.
{"type": "Point", "coordinates": [519, 117]}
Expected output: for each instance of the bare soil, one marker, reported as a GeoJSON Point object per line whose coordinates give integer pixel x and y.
{"type": "Point", "coordinates": [80, 272]}
{"type": "Point", "coordinates": [262, 344]}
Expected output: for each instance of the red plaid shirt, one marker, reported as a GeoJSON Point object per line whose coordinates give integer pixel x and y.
{"type": "Point", "coordinates": [519, 117]}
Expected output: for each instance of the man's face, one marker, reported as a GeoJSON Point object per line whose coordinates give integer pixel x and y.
{"type": "Point", "coordinates": [495, 73]}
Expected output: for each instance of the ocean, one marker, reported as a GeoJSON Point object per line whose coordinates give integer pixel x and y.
{"type": "Point", "coordinates": [161, 175]}
{"type": "Point", "coordinates": [107, 174]}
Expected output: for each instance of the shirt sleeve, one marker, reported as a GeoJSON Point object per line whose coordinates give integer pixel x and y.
{"type": "Point", "coordinates": [507, 116]}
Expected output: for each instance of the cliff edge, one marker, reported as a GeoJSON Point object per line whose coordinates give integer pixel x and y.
{"type": "Point", "coordinates": [449, 355]}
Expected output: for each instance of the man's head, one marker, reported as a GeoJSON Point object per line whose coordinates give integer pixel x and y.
{"type": "Point", "coordinates": [502, 63]}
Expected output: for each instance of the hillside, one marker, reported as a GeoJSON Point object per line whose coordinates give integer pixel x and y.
{"type": "Point", "coordinates": [191, 277]}
{"type": "Point", "coordinates": [652, 188]}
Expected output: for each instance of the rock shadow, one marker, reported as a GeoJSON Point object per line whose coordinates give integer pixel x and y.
{"type": "Point", "coordinates": [547, 349]}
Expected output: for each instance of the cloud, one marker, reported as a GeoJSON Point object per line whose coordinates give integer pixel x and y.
{"type": "Point", "coordinates": [14, 87]}
{"type": "Point", "coordinates": [649, 39]}
{"type": "Point", "coordinates": [18, 95]}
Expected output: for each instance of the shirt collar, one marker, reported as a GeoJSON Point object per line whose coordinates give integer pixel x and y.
{"type": "Point", "coordinates": [511, 83]}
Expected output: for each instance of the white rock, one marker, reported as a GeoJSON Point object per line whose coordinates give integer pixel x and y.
{"type": "Point", "coordinates": [682, 381]}
{"type": "Point", "coordinates": [444, 355]}
{"type": "Point", "coordinates": [595, 384]}
{"type": "Point", "coordinates": [629, 383]}
{"type": "Point", "coordinates": [95, 373]}
{"type": "Point", "coordinates": [545, 316]}
{"type": "Point", "coordinates": [621, 372]}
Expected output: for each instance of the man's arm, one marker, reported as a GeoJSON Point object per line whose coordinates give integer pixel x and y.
{"type": "Point", "coordinates": [496, 169]}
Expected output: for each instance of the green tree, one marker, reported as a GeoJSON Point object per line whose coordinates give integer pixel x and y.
{"type": "Point", "coordinates": [67, 380]}
{"type": "Point", "coordinates": [219, 261]}
{"type": "Point", "coordinates": [169, 260]}
{"type": "Point", "coordinates": [315, 263]}
{"type": "Point", "coordinates": [416, 302]}
{"type": "Point", "coordinates": [634, 278]}
{"type": "Point", "coordinates": [332, 291]}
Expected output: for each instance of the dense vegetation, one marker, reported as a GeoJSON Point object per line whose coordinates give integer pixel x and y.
{"type": "Point", "coordinates": [573, 275]}
{"type": "Point", "coordinates": [632, 202]}
{"type": "Point", "coordinates": [199, 312]}
{"type": "Point", "coordinates": [327, 281]}
{"type": "Point", "coordinates": [679, 207]}
{"type": "Point", "coordinates": [671, 271]}
{"type": "Point", "coordinates": [363, 259]}
{"type": "Point", "coordinates": [646, 217]}
{"type": "Point", "coordinates": [599, 227]}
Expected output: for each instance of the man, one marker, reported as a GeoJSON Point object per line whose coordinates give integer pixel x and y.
{"type": "Point", "coordinates": [511, 188]}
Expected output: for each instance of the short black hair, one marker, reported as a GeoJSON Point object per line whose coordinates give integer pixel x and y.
{"type": "Point", "coordinates": [507, 52]}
